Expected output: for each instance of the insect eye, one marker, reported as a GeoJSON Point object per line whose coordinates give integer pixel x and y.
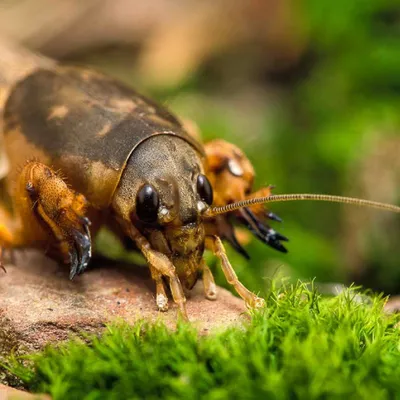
{"type": "Point", "coordinates": [147, 202]}
{"type": "Point", "coordinates": [204, 189]}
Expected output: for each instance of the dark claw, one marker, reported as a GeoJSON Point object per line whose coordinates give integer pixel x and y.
{"type": "Point", "coordinates": [274, 217]}
{"type": "Point", "coordinates": [253, 220]}
{"type": "Point", "coordinates": [277, 235]}
{"type": "Point", "coordinates": [264, 229]}
{"type": "Point", "coordinates": [227, 232]}
{"type": "Point", "coordinates": [74, 262]}
{"type": "Point", "coordinates": [232, 239]}
{"type": "Point", "coordinates": [262, 232]}
{"type": "Point", "coordinates": [82, 251]}
{"type": "Point", "coordinates": [273, 239]}
{"type": "Point", "coordinates": [84, 246]}
{"type": "Point", "coordinates": [85, 222]}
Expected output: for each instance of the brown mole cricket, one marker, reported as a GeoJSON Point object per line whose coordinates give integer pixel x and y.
{"type": "Point", "coordinates": [81, 150]}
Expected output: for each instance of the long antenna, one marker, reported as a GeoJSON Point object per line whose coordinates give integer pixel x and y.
{"type": "Point", "coordinates": [212, 212]}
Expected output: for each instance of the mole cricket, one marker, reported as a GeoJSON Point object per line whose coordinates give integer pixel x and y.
{"type": "Point", "coordinates": [79, 151]}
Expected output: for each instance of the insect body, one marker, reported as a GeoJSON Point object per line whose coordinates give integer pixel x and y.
{"type": "Point", "coordinates": [85, 151]}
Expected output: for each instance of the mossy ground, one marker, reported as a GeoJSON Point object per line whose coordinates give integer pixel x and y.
{"type": "Point", "coordinates": [301, 346]}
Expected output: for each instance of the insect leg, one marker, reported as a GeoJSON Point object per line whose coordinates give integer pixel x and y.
{"type": "Point", "coordinates": [231, 175]}
{"type": "Point", "coordinates": [161, 296]}
{"type": "Point", "coordinates": [161, 264]}
{"type": "Point", "coordinates": [210, 288]}
{"type": "Point", "coordinates": [8, 237]}
{"type": "Point", "coordinates": [251, 300]}
{"type": "Point", "coordinates": [44, 204]}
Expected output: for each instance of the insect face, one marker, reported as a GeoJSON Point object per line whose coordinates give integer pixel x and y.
{"type": "Point", "coordinates": [164, 193]}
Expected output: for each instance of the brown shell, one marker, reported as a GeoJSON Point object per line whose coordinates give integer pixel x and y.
{"type": "Point", "coordinates": [85, 124]}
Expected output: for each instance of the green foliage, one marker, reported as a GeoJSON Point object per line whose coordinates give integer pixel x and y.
{"type": "Point", "coordinates": [345, 104]}
{"type": "Point", "coordinates": [336, 106]}
{"type": "Point", "coordinates": [302, 346]}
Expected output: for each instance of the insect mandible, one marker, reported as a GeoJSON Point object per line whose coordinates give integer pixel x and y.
{"type": "Point", "coordinates": [85, 151]}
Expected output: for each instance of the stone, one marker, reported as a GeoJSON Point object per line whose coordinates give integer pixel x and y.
{"type": "Point", "coordinates": [392, 306]}
{"type": "Point", "coordinates": [8, 393]}
{"type": "Point", "coordinates": [40, 305]}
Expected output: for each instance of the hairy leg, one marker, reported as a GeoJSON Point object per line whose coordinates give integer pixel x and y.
{"type": "Point", "coordinates": [161, 296]}
{"type": "Point", "coordinates": [214, 243]}
{"type": "Point", "coordinates": [48, 212]}
{"type": "Point", "coordinates": [160, 266]}
{"type": "Point", "coordinates": [210, 288]}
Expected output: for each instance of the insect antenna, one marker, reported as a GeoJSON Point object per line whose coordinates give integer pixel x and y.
{"type": "Point", "coordinates": [213, 211]}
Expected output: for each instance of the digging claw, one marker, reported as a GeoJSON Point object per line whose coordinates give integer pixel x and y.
{"type": "Point", "coordinates": [274, 217]}
{"type": "Point", "coordinates": [81, 251]}
{"type": "Point", "coordinates": [85, 222]}
{"type": "Point", "coordinates": [232, 239]}
{"type": "Point", "coordinates": [74, 264]}
{"type": "Point", "coordinates": [263, 232]}
{"type": "Point", "coordinates": [277, 235]}
{"type": "Point", "coordinates": [273, 239]}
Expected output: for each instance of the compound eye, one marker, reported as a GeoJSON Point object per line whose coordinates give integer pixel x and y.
{"type": "Point", "coordinates": [147, 202]}
{"type": "Point", "coordinates": [204, 189]}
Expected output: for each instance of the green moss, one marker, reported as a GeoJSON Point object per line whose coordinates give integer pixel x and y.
{"type": "Point", "coordinates": [301, 346]}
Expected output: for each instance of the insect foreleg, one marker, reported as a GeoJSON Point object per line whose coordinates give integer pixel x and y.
{"type": "Point", "coordinates": [160, 265]}
{"type": "Point", "coordinates": [210, 288]}
{"type": "Point", "coordinates": [45, 205]}
{"type": "Point", "coordinates": [231, 175]}
{"type": "Point", "coordinates": [161, 296]}
{"type": "Point", "coordinates": [214, 243]}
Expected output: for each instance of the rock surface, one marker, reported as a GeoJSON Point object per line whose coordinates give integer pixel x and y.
{"type": "Point", "coordinates": [393, 305]}
{"type": "Point", "coordinates": [7, 393]}
{"type": "Point", "coordinates": [39, 304]}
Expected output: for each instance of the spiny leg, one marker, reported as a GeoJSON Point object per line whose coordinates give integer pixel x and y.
{"type": "Point", "coordinates": [161, 296]}
{"type": "Point", "coordinates": [215, 244]}
{"type": "Point", "coordinates": [231, 175]}
{"type": "Point", "coordinates": [210, 288]}
{"type": "Point", "coordinates": [44, 204]}
{"type": "Point", "coordinates": [160, 263]}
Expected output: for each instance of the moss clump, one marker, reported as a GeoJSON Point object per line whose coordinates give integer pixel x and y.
{"type": "Point", "coordinates": [301, 346]}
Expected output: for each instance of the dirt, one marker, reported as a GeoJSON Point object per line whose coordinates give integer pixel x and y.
{"type": "Point", "coordinates": [40, 305]}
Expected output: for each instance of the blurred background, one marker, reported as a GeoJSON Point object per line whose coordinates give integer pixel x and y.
{"type": "Point", "coordinates": [309, 89]}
